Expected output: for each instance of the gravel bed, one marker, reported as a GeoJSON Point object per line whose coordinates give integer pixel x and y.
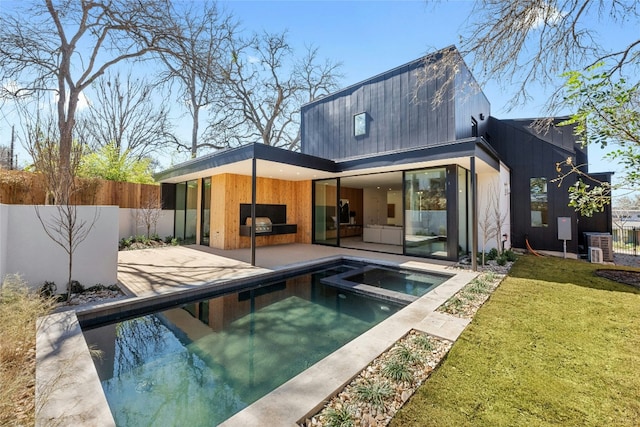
{"type": "Point", "coordinates": [628, 260]}
{"type": "Point", "coordinates": [469, 299]}
{"type": "Point", "coordinates": [93, 296]}
{"type": "Point", "coordinates": [418, 352]}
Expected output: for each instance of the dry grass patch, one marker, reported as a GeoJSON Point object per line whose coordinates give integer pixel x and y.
{"type": "Point", "coordinates": [19, 310]}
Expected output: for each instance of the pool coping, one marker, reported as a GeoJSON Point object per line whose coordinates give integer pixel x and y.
{"type": "Point", "coordinates": [77, 396]}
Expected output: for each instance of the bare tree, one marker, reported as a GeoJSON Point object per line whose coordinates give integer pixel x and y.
{"type": "Point", "coordinates": [64, 46]}
{"type": "Point", "coordinates": [534, 41]}
{"type": "Point", "coordinates": [193, 62]}
{"type": "Point", "coordinates": [6, 160]}
{"type": "Point", "coordinates": [623, 210]}
{"type": "Point", "coordinates": [149, 213]}
{"type": "Point", "coordinates": [486, 222]}
{"type": "Point", "coordinates": [125, 113]}
{"type": "Point", "coordinates": [500, 216]}
{"type": "Point", "coordinates": [67, 230]}
{"type": "Point", "coordinates": [265, 88]}
{"type": "Point", "coordinates": [41, 141]}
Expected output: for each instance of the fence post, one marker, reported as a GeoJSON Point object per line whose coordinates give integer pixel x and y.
{"type": "Point", "coordinates": [635, 241]}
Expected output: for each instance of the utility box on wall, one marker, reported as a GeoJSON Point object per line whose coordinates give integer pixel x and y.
{"type": "Point", "coordinates": [564, 228]}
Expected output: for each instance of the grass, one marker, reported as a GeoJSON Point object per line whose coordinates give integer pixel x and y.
{"type": "Point", "coordinates": [19, 310]}
{"type": "Point", "coordinates": [555, 345]}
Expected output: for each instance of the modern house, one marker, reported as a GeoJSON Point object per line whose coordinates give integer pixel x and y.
{"type": "Point", "coordinates": [396, 163]}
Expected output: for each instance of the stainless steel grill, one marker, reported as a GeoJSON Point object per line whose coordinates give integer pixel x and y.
{"type": "Point", "coordinates": [263, 224]}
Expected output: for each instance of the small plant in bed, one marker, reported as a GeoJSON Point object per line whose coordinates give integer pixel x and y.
{"type": "Point", "coordinates": [141, 241]}
{"type": "Point", "coordinates": [374, 393]}
{"type": "Point", "coordinates": [404, 354]}
{"type": "Point", "coordinates": [397, 370]}
{"type": "Point", "coordinates": [340, 417]}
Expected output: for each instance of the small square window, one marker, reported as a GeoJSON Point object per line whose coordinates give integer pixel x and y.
{"type": "Point", "coordinates": [360, 124]}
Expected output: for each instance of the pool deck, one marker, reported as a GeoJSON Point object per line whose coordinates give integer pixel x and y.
{"type": "Point", "coordinates": [170, 269]}
{"type": "Point", "coordinates": [162, 272]}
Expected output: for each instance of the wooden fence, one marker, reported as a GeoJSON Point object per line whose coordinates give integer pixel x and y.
{"type": "Point", "coordinates": [26, 188]}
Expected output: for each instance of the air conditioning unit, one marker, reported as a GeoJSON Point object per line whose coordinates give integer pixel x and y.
{"type": "Point", "coordinates": [604, 241]}
{"type": "Point", "coordinates": [595, 255]}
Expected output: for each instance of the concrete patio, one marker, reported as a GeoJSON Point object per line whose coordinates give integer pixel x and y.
{"type": "Point", "coordinates": [170, 269]}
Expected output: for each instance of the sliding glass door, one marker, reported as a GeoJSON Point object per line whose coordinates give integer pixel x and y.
{"type": "Point", "coordinates": [425, 204]}
{"type": "Point", "coordinates": [205, 212]}
{"type": "Point", "coordinates": [186, 211]}
{"type": "Point", "coordinates": [325, 212]}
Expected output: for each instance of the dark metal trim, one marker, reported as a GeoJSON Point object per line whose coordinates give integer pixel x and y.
{"type": "Point", "coordinates": [253, 210]}
{"type": "Point", "coordinates": [247, 152]}
{"type": "Point", "coordinates": [474, 216]}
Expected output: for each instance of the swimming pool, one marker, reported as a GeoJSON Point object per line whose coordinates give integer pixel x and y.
{"type": "Point", "coordinates": [204, 361]}
{"type": "Point", "coordinates": [402, 285]}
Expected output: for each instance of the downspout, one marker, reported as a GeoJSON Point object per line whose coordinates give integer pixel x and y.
{"type": "Point", "coordinates": [474, 216]}
{"type": "Point", "coordinates": [253, 207]}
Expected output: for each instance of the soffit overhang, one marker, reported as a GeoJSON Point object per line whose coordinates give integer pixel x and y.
{"type": "Point", "coordinates": [277, 163]}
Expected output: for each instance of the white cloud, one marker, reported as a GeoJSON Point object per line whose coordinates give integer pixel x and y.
{"type": "Point", "coordinates": [542, 14]}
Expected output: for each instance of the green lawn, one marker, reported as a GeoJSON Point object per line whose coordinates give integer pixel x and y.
{"type": "Point", "coordinates": [555, 345]}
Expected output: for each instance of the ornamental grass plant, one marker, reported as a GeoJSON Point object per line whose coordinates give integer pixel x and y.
{"type": "Point", "coordinates": [554, 345]}
{"type": "Point", "coordinates": [19, 309]}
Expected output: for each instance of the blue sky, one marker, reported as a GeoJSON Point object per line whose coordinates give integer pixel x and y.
{"type": "Point", "coordinates": [370, 37]}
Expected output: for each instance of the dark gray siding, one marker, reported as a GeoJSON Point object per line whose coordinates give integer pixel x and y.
{"type": "Point", "coordinates": [529, 156]}
{"type": "Point", "coordinates": [470, 102]}
{"type": "Point", "coordinates": [395, 119]}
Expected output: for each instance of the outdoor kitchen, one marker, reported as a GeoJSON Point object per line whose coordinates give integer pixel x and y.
{"type": "Point", "coordinates": [270, 220]}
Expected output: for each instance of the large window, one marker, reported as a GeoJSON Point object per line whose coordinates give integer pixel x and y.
{"type": "Point", "coordinates": [539, 204]}
{"type": "Point", "coordinates": [205, 216]}
{"type": "Point", "coordinates": [463, 202]}
{"type": "Point", "coordinates": [426, 212]}
{"type": "Point", "coordinates": [186, 211]}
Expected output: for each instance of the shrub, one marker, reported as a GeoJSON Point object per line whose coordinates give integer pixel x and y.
{"type": "Point", "coordinates": [478, 286]}
{"type": "Point", "coordinates": [19, 309]}
{"type": "Point", "coordinates": [502, 260]}
{"type": "Point", "coordinates": [125, 243]}
{"type": "Point", "coordinates": [141, 238]}
{"type": "Point", "coordinates": [373, 393]}
{"type": "Point", "coordinates": [510, 255]}
{"type": "Point", "coordinates": [404, 354]}
{"type": "Point", "coordinates": [48, 289]}
{"type": "Point", "coordinates": [76, 287]}
{"type": "Point", "coordinates": [493, 254]}
{"type": "Point", "coordinates": [490, 276]}
{"type": "Point", "coordinates": [397, 371]}
{"type": "Point", "coordinates": [423, 342]}
{"type": "Point", "coordinates": [341, 417]}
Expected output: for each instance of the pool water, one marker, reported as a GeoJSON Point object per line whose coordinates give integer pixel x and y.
{"type": "Point", "coordinates": [403, 281]}
{"type": "Point", "coordinates": [201, 363]}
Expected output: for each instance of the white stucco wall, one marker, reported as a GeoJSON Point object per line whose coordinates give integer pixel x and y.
{"type": "Point", "coordinates": [128, 227]}
{"type": "Point", "coordinates": [494, 185]}
{"type": "Point", "coordinates": [25, 248]}
{"type": "Point", "coordinates": [4, 224]}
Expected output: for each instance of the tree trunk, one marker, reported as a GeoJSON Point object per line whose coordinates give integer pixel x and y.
{"type": "Point", "coordinates": [194, 130]}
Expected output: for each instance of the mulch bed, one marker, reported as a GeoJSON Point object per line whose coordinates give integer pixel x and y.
{"type": "Point", "coordinates": [621, 276]}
